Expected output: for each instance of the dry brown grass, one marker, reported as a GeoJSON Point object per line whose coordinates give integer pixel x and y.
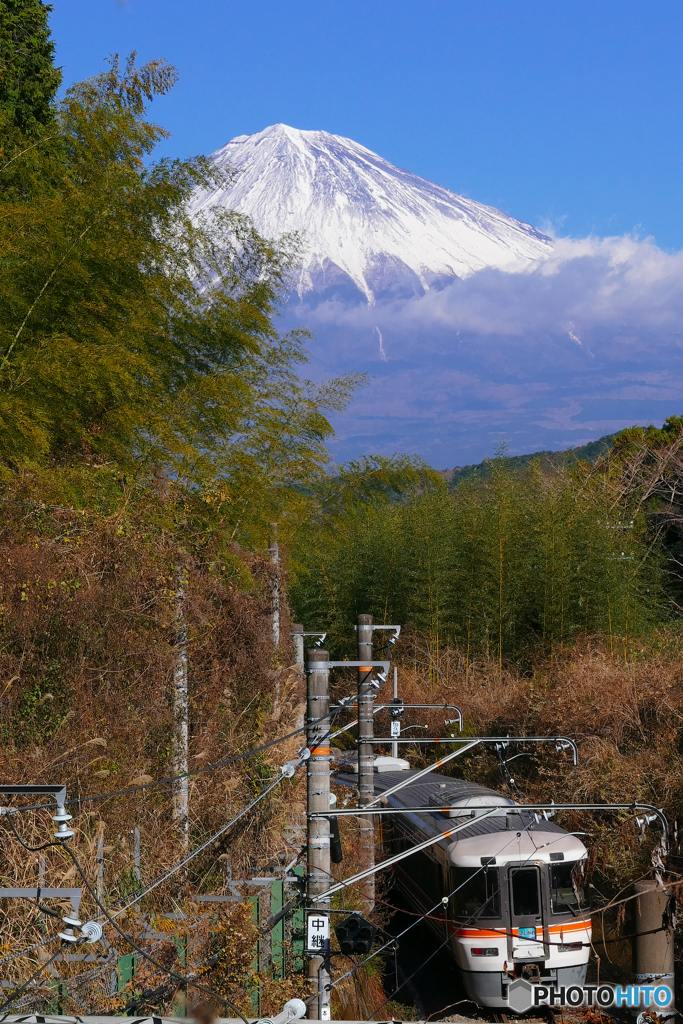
{"type": "Point", "coordinates": [88, 647]}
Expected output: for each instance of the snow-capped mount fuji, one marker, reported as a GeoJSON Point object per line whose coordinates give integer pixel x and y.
{"type": "Point", "coordinates": [363, 220]}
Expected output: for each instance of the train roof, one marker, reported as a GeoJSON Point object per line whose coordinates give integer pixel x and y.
{"type": "Point", "coordinates": [506, 834]}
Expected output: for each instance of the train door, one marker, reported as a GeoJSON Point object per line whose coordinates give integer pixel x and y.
{"type": "Point", "coordinates": [526, 913]}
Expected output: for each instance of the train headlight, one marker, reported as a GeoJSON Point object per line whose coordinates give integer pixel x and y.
{"type": "Point", "coordinates": [568, 947]}
{"type": "Point", "coordinates": [484, 951]}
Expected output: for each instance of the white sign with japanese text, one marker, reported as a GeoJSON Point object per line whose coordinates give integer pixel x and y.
{"type": "Point", "coordinates": [318, 933]}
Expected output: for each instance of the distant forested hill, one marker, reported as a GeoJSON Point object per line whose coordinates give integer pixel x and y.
{"type": "Point", "coordinates": [590, 452]}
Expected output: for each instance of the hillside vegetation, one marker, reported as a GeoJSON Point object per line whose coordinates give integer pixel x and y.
{"type": "Point", "coordinates": [549, 460]}
{"type": "Point", "coordinates": [154, 424]}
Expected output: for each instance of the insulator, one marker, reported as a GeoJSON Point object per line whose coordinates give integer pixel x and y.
{"type": "Point", "coordinates": [92, 931]}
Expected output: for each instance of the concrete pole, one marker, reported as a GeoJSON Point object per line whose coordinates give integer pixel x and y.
{"type": "Point", "coordinates": [181, 797]}
{"type": "Point", "coordinates": [653, 944]}
{"type": "Point", "coordinates": [394, 746]}
{"type": "Point", "coordinates": [366, 758]}
{"type": "Point", "coordinates": [297, 632]}
{"type": "Point", "coordinates": [275, 562]}
{"type": "Point", "coordinates": [319, 876]}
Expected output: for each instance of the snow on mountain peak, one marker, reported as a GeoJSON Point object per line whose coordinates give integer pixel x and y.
{"type": "Point", "coordinates": [361, 217]}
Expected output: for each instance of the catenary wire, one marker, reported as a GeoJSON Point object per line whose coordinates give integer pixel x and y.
{"type": "Point", "coordinates": [13, 998]}
{"type": "Point", "coordinates": [110, 918]}
{"type": "Point", "coordinates": [25, 952]}
{"type": "Point", "coordinates": [448, 937]}
{"type": "Point", "coordinates": [182, 775]}
{"type": "Point", "coordinates": [181, 978]}
{"type": "Point", "coordinates": [410, 977]}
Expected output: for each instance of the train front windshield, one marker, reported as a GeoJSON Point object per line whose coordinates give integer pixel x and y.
{"type": "Point", "coordinates": [526, 898]}
{"type": "Point", "coordinates": [566, 893]}
{"type": "Point", "coordinates": [477, 892]}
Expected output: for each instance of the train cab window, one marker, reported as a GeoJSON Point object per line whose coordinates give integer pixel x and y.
{"type": "Point", "coordinates": [525, 894]}
{"type": "Point", "coordinates": [566, 895]}
{"type": "Point", "coordinates": [478, 892]}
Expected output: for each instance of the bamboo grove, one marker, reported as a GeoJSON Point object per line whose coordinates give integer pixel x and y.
{"type": "Point", "coordinates": [499, 567]}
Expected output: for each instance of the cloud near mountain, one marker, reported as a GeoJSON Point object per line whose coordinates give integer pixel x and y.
{"type": "Point", "coordinates": [580, 344]}
{"type": "Point", "coordinates": [583, 286]}
{"type": "Point", "coordinates": [472, 325]}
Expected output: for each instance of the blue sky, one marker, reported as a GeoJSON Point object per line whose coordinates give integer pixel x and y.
{"type": "Point", "coordinates": [566, 113]}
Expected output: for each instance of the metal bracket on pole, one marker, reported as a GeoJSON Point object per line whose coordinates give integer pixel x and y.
{"type": "Point", "coordinates": [495, 740]}
{"type": "Point", "coordinates": [306, 632]}
{"type": "Point", "coordinates": [488, 811]}
{"type": "Point", "coordinates": [469, 743]}
{"type": "Point", "coordinates": [480, 739]}
{"type": "Point", "coordinates": [397, 629]}
{"type": "Point", "coordinates": [350, 703]}
{"type": "Point", "coordinates": [656, 814]}
{"type": "Point", "coordinates": [320, 665]}
{"type": "Point", "coordinates": [59, 793]}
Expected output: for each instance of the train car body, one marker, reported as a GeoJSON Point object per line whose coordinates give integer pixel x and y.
{"type": "Point", "coordinates": [515, 903]}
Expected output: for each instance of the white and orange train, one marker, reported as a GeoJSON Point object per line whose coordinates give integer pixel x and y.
{"type": "Point", "coordinates": [508, 887]}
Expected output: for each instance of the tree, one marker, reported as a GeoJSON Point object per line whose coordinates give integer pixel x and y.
{"type": "Point", "coordinates": [28, 78]}
{"type": "Point", "coordinates": [132, 333]}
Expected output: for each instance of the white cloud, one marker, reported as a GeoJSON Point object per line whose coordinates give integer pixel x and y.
{"type": "Point", "coordinates": [585, 342]}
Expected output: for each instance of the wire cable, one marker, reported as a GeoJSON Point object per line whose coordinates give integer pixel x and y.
{"type": "Point", "coordinates": [25, 952]}
{"type": "Point", "coordinates": [13, 998]}
{"type": "Point", "coordinates": [169, 779]}
{"type": "Point", "coordinates": [111, 918]}
{"type": "Point", "coordinates": [410, 977]}
{"type": "Point", "coordinates": [138, 895]}
{"type": "Point", "coordinates": [181, 978]}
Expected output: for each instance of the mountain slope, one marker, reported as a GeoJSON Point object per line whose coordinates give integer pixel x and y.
{"type": "Point", "coordinates": [590, 452]}
{"type": "Point", "coordinates": [363, 220]}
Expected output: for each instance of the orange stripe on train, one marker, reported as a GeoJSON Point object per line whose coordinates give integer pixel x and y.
{"type": "Point", "coordinates": [483, 933]}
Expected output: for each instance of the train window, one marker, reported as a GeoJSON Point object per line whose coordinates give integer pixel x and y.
{"type": "Point", "coordinates": [478, 892]}
{"type": "Point", "coordinates": [566, 894]}
{"type": "Point", "coordinates": [525, 894]}
{"type": "Point", "coordinates": [427, 873]}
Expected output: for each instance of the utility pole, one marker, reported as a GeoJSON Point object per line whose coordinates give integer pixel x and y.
{"type": "Point", "coordinates": [297, 634]}
{"type": "Point", "coordinates": [394, 746]}
{"type": "Point", "coordinates": [653, 944]}
{"type": "Point", "coordinates": [366, 757]}
{"type": "Point", "coordinates": [319, 876]}
{"type": "Point", "coordinates": [275, 562]}
{"type": "Point", "coordinates": [181, 797]}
